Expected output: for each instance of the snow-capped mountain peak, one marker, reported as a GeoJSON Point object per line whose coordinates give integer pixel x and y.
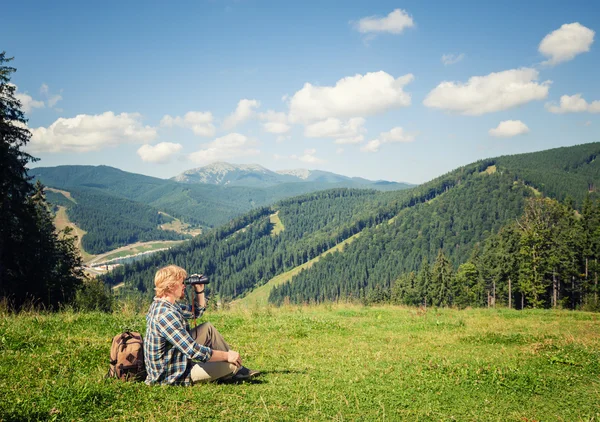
{"type": "Point", "coordinates": [299, 173]}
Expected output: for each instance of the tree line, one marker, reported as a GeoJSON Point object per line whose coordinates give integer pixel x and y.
{"type": "Point", "coordinates": [38, 266]}
{"type": "Point", "coordinates": [112, 222]}
{"type": "Point", "coordinates": [243, 254]}
{"type": "Point", "coordinates": [548, 257]}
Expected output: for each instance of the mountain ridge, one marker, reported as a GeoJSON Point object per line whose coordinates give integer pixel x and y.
{"type": "Point", "coordinates": [400, 230]}
{"type": "Point", "coordinates": [197, 204]}
{"type": "Point", "coordinates": [255, 175]}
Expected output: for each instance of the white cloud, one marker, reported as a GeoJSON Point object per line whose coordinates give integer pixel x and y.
{"type": "Point", "coordinates": [159, 153]}
{"type": "Point", "coordinates": [372, 146]}
{"type": "Point", "coordinates": [27, 102]}
{"type": "Point", "coordinates": [339, 151]}
{"type": "Point", "coordinates": [308, 157]}
{"type": "Point", "coordinates": [395, 22]}
{"type": "Point", "coordinates": [509, 128]}
{"type": "Point", "coordinates": [276, 127]}
{"type": "Point", "coordinates": [449, 59]}
{"type": "Point", "coordinates": [243, 112]}
{"type": "Point", "coordinates": [282, 138]}
{"type": "Point", "coordinates": [587, 123]}
{"type": "Point", "coordinates": [573, 104]}
{"type": "Point", "coordinates": [201, 123]}
{"type": "Point", "coordinates": [90, 133]}
{"type": "Point", "coordinates": [350, 132]}
{"type": "Point", "coordinates": [566, 42]}
{"type": "Point", "coordinates": [226, 147]}
{"type": "Point", "coordinates": [51, 100]}
{"type": "Point", "coordinates": [352, 96]}
{"type": "Point", "coordinates": [395, 135]}
{"type": "Point", "coordinates": [275, 122]}
{"type": "Point", "coordinates": [486, 94]}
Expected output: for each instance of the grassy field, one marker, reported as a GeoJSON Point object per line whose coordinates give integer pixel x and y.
{"type": "Point", "coordinates": [179, 226]}
{"type": "Point", "coordinates": [329, 362]}
{"type": "Point", "coordinates": [278, 226]}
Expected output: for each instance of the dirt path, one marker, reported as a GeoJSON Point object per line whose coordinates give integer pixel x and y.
{"type": "Point", "coordinates": [61, 220]}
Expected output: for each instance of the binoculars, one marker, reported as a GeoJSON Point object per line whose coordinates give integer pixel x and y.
{"type": "Point", "coordinates": [196, 279]}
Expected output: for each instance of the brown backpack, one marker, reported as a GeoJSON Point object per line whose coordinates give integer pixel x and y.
{"type": "Point", "coordinates": [127, 357]}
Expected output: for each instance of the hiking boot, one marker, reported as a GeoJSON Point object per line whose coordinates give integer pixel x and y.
{"type": "Point", "coordinates": [244, 373]}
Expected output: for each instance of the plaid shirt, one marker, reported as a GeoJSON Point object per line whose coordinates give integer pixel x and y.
{"type": "Point", "coordinates": [169, 349]}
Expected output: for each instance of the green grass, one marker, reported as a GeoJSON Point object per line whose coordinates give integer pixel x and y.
{"type": "Point", "coordinates": [329, 362]}
{"type": "Point", "coordinates": [278, 226]}
{"type": "Point", "coordinates": [179, 226]}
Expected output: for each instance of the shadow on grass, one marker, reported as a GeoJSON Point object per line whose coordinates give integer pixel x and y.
{"type": "Point", "coordinates": [257, 380]}
{"type": "Point", "coordinates": [284, 371]}
{"type": "Point", "coordinates": [254, 380]}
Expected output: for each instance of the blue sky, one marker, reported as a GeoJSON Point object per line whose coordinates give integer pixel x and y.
{"type": "Point", "coordinates": [401, 91]}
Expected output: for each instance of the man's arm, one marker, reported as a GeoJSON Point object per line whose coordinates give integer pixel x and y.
{"type": "Point", "coordinates": [200, 299]}
{"type": "Point", "coordinates": [170, 326]}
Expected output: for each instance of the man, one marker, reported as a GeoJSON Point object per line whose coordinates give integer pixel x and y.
{"type": "Point", "coordinates": [175, 355]}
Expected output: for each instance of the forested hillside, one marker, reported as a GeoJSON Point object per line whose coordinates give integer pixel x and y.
{"type": "Point", "coordinates": [197, 204]}
{"type": "Point", "coordinates": [560, 172]}
{"type": "Point", "coordinates": [111, 221]}
{"type": "Point", "coordinates": [434, 244]}
{"type": "Point", "coordinates": [117, 208]}
{"type": "Point", "coordinates": [243, 254]}
{"type": "Point", "coordinates": [454, 222]}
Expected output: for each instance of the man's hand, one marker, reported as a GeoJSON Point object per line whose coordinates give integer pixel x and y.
{"type": "Point", "coordinates": [231, 357]}
{"type": "Point", "coordinates": [199, 289]}
{"type": "Point", "coordinates": [234, 357]}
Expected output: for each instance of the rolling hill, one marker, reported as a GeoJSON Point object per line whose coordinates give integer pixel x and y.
{"type": "Point", "coordinates": [400, 232]}
{"type": "Point", "coordinates": [116, 208]}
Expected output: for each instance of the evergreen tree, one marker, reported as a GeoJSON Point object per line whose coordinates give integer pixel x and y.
{"type": "Point", "coordinates": [545, 250]}
{"type": "Point", "coordinates": [443, 278]}
{"type": "Point", "coordinates": [36, 264]}
{"type": "Point", "coordinates": [424, 285]}
{"type": "Point", "coordinates": [508, 262]}
{"type": "Point", "coordinates": [467, 277]}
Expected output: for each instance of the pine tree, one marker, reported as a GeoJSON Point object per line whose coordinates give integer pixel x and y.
{"type": "Point", "coordinates": [36, 264]}
{"type": "Point", "coordinates": [466, 285]}
{"type": "Point", "coordinates": [443, 281]}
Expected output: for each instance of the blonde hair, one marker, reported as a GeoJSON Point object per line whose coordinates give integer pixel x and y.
{"type": "Point", "coordinates": [168, 277]}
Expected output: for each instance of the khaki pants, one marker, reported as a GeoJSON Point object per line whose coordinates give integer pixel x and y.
{"type": "Point", "coordinates": [207, 335]}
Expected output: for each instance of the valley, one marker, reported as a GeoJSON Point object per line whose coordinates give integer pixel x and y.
{"type": "Point", "coordinates": [117, 208]}
{"type": "Point", "coordinates": [458, 240]}
{"type": "Point", "coordinates": [93, 264]}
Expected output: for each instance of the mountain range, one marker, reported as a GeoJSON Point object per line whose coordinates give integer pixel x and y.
{"type": "Point", "coordinates": [254, 175]}
{"type": "Point", "coordinates": [415, 238]}
{"type": "Point", "coordinates": [116, 208]}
